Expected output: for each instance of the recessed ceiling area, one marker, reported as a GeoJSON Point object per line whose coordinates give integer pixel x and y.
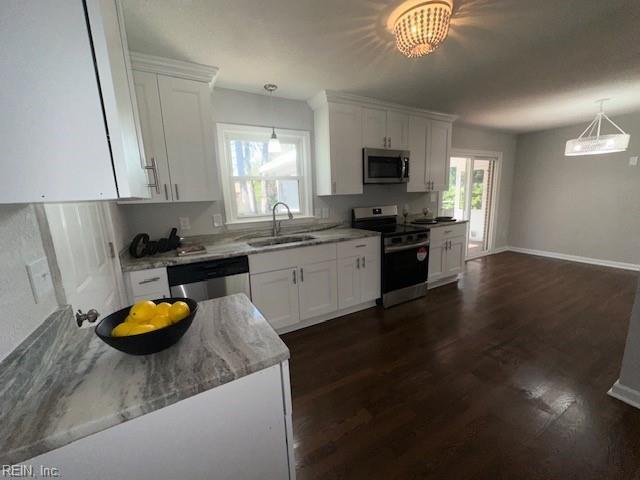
{"type": "Point", "coordinates": [512, 65]}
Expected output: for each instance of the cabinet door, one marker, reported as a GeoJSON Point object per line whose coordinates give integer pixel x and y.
{"type": "Point", "coordinates": [349, 286]}
{"type": "Point", "coordinates": [439, 147]}
{"type": "Point", "coordinates": [371, 273]}
{"type": "Point", "coordinates": [118, 96]}
{"type": "Point", "coordinates": [418, 159]}
{"type": "Point", "coordinates": [148, 98]}
{"type": "Point", "coordinates": [318, 289]}
{"type": "Point", "coordinates": [437, 255]}
{"type": "Point", "coordinates": [374, 127]}
{"type": "Point", "coordinates": [397, 130]}
{"type": "Point", "coordinates": [188, 123]}
{"type": "Point", "coordinates": [276, 296]}
{"type": "Point", "coordinates": [454, 256]}
{"type": "Point", "coordinates": [345, 125]}
{"type": "Point", "coordinates": [53, 137]}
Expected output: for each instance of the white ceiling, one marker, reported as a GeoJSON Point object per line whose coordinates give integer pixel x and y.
{"type": "Point", "coordinates": [516, 65]}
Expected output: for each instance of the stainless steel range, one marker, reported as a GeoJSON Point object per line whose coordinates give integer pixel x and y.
{"type": "Point", "coordinates": [405, 253]}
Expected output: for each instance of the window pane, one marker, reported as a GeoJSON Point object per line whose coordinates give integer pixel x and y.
{"type": "Point", "coordinates": [251, 157]}
{"type": "Point", "coordinates": [257, 197]}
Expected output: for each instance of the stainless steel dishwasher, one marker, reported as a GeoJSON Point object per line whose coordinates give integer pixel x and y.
{"type": "Point", "coordinates": [212, 279]}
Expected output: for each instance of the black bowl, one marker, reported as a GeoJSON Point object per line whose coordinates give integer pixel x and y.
{"type": "Point", "coordinates": [150, 342]}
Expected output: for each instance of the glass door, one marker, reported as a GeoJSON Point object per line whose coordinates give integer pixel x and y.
{"type": "Point", "coordinates": [470, 197]}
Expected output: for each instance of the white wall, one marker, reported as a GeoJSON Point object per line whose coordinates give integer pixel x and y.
{"type": "Point", "coordinates": [21, 244]}
{"type": "Point", "coordinates": [473, 138]}
{"type": "Point", "coordinates": [586, 206]}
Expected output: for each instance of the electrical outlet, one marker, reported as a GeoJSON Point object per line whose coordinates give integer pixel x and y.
{"type": "Point", "coordinates": [185, 224]}
{"type": "Point", "coordinates": [633, 161]}
{"type": "Point", "coordinates": [40, 278]}
{"type": "Point", "coordinates": [217, 220]}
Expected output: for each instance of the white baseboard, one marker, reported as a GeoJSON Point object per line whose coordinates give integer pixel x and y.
{"type": "Point", "coordinates": [625, 394]}
{"type": "Point", "coordinates": [576, 258]}
{"type": "Point", "coordinates": [324, 318]}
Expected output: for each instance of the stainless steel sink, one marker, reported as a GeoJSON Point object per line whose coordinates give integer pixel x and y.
{"type": "Point", "coordinates": [266, 242]}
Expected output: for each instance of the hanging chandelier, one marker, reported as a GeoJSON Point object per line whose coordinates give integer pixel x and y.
{"type": "Point", "coordinates": [420, 26]}
{"type": "Point", "coordinates": [593, 142]}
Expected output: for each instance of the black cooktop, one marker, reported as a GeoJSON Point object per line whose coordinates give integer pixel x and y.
{"type": "Point", "coordinates": [394, 229]}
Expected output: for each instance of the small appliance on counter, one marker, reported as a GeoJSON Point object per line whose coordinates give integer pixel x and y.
{"type": "Point", "coordinates": [405, 253]}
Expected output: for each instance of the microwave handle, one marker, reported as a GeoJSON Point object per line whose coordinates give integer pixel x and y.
{"type": "Point", "coordinates": [405, 168]}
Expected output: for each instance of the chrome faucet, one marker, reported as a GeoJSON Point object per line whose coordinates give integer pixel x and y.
{"type": "Point", "coordinates": [276, 225]}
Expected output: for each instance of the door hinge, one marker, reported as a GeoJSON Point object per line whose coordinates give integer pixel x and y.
{"type": "Point", "coordinates": [112, 250]}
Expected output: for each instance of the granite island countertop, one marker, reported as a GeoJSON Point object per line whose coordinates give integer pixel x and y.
{"type": "Point", "coordinates": [226, 246]}
{"type": "Point", "coordinates": [63, 383]}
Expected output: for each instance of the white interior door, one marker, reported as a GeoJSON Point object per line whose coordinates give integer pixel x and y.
{"type": "Point", "coordinates": [81, 239]}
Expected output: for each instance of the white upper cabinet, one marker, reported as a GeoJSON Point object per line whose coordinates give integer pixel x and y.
{"type": "Point", "coordinates": [385, 129]}
{"type": "Point", "coordinates": [374, 128]}
{"type": "Point", "coordinates": [397, 130]}
{"type": "Point", "coordinates": [188, 133]}
{"type": "Point", "coordinates": [345, 124]}
{"type": "Point", "coordinates": [176, 117]}
{"type": "Point", "coordinates": [439, 152]}
{"type": "Point", "coordinates": [63, 107]}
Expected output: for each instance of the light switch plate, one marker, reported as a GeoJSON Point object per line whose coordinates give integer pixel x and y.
{"type": "Point", "coordinates": [217, 220]}
{"type": "Point", "coordinates": [185, 224]}
{"type": "Point", "coordinates": [40, 278]}
{"type": "Point", "coordinates": [633, 161]}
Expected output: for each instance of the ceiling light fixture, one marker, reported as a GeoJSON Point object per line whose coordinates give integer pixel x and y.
{"type": "Point", "coordinates": [592, 142]}
{"type": "Point", "coordinates": [420, 26]}
{"type": "Point", "coordinates": [274, 143]}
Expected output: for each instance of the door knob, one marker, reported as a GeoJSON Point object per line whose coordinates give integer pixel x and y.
{"type": "Point", "coordinates": [91, 316]}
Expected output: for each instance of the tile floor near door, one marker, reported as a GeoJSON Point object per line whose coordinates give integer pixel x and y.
{"type": "Point", "coordinates": [502, 377]}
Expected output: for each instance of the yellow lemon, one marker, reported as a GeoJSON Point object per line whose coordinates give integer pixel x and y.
{"type": "Point", "coordinates": [137, 328]}
{"type": "Point", "coordinates": [178, 311]}
{"type": "Point", "coordinates": [160, 321]}
{"type": "Point", "coordinates": [163, 308]}
{"type": "Point", "coordinates": [142, 312]}
{"type": "Point", "coordinates": [122, 330]}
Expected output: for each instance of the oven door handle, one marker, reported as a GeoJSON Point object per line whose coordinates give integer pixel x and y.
{"type": "Point", "coordinates": [406, 247]}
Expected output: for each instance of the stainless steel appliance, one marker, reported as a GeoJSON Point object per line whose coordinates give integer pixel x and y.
{"type": "Point", "coordinates": [405, 253]}
{"type": "Point", "coordinates": [385, 166]}
{"type": "Point", "coordinates": [212, 279]}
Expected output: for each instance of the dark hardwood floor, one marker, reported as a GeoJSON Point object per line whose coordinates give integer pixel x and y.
{"type": "Point", "coordinates": [501, 377]}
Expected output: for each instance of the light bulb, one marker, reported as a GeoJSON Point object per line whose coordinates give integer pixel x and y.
{"type": "Point", "coordinates": [274, 143]}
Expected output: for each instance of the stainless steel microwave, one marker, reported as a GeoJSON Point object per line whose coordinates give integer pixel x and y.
{"type": "Point", "coordinates": [385, 166]}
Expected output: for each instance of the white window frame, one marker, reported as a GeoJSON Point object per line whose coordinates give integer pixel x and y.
{"type": "Point", "coordinates": [226, 177]}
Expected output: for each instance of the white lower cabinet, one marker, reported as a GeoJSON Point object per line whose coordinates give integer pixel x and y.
{"type": "Point", "coordinates": [317, 290]}
{"type": "Point", "coordinates": [296, 287]}
{"type": "Point", "coordinates": [276, 295]}
{"type": "Point", "coordinates": [239, 430]}
{"type": "Point", "coordinates": [448, 245]}
{"type": "Point", "coordinates": [147, 284]}
{"type": "Point", "coordinates": [358, 272]}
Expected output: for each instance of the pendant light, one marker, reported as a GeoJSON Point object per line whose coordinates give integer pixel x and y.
{"type": "Point", "coordinates": [592, 142]}
{"type": "Point", "coordinates": [274, 143]}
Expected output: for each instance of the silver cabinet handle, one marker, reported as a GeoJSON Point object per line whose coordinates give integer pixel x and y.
{"type": "Point", "coordinates": [301, 275]}
{"type": "Point", "coordinates": [364, 263]}
{"type": "Point", "coordinates": [358, 263]}
{"type": "Point", "coordinates": [177, 192]}
{"type": "Point", "coordinates": [385, 142]}
{"type": "Point", "coordinates": [447, 231]}
{"type": "Point", "coordinates": [294, 277]}
{"type": "Point", "coordinates": [389, 142]}
{"type": "Point", "coordinates": [154, 170]}
{"type": "Point", "coordinates": [361, 246]}
{"type": "Point", "coordinates": [166, 192]}
{"type": "Point", "coordinates": [149, 280]}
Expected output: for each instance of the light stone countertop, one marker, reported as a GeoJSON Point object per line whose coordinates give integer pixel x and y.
{"type": "Point", "coordinates": [226, 246]}
{"type": "Point", "coordinates": [63, 383]}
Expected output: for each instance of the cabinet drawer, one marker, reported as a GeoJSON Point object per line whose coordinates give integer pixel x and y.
{"type": "Point", "coordinates": [289, 258]}
{"type": "Point", "coordinates": [363, 246]}
{"type": "Point", "coordinates": [147, 282]}
{"type": "Point", "coordinates": [446, 232]}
